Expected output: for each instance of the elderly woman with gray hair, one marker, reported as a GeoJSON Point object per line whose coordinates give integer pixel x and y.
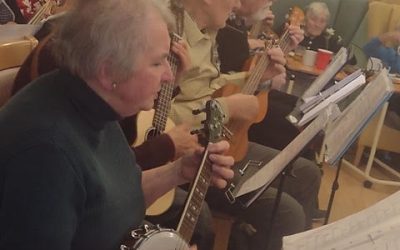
{"type": "Point", "coordinates": [316, 34]}
{"type": "Point", "coordinates": [69, 179]}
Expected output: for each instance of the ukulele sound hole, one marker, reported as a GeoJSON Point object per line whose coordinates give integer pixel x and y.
{"type": "Point", "coordinates": [152, 132]}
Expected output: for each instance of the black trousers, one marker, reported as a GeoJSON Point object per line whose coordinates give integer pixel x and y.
{"type": "Point", "coordinates": [275, 131]}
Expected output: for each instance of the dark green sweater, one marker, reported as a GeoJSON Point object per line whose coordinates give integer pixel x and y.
{"type": "Point", "coordinates": [68, 179]}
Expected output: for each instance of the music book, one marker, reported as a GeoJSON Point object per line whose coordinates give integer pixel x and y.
{"type": "Point", "coordinates": [376, 227]}
{"type": "Point", "coordinates": [343, 131]}
{"type": "Point", "coordinates": [267, 173]}
{"type": "Point", "coordinates": [337, 63]}
{"type": "Point", "coordinates": [312, 101]}
{"type": "Point", "coordinates": [333, 94]}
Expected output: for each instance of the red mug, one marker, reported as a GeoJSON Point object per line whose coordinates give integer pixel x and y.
{"type": "Point", "coordinates": [323, 58]}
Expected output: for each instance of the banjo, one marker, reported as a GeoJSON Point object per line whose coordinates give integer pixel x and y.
{"type": "Point", "coordinates": [150, 237]}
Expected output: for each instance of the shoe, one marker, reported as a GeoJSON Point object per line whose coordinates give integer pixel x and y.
{"type": "Point", "coordinates": [318, 214]}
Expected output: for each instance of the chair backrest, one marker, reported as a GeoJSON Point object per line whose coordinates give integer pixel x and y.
{"type": "Point", "coordinates": [348, 18]}
{"type": "Point", "coordinates": [7, 77]}
{"type": "Point", "coordinates": [12, 56]}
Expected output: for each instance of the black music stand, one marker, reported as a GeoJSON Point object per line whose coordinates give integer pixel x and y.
{"type": "Point", "coordinates": [335, 187]}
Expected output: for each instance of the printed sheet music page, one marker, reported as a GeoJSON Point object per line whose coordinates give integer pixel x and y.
{"type": "Point", "coordinates": [344, 130]}
{"type": "Point", "coordinates": [377, 227]}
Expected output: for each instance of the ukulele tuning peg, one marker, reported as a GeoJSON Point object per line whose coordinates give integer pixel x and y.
{"type": "Point", "coordinates": [201, 136]}
{"type": "Point", "coordinates": [196, 132]}
{"type": "Point", "coordinates": [197, 111]}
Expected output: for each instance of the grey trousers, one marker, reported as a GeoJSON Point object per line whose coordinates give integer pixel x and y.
{"type": "Point", "coordinates": [294, 211]}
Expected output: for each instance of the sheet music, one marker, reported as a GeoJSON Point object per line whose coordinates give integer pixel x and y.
{"type": "Point", "coordinates": [312, 101]}
{"type": "Point", "coordinates": [15, 32]}
{"type": "Point", "coordinates": [319, 83]}
{"type": "Point", "coordinates": [377, 227]}
{"type": "Point", "coordinates": [331, 70]}
{"type": "Point", "coordinates": [342, 132]}
{"type": "Point", "coordinates": [334, 98]}
{"type": "Point", "coordinates": [271, 170]}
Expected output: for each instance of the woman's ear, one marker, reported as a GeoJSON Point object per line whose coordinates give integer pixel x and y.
{"type": "Point", "coordinates": [104, 77]}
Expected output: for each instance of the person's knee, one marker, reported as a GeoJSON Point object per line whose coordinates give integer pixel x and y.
{"type": "Point", "coordinates": [307, 170]}
{"type": "Point", "coordinates": [288, 219]}
{"type": "Point", "coordinates": [290, 215]}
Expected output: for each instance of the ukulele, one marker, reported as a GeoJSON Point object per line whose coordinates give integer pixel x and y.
{"type": "Point", "coordinates": [264, 32]}
{"type": "Point", "coordinates": [154, 237]}
{"type": "Point", "coordinates": [45, 11]}
{"type": "Point", "coordinates": [239, 128]}
{"type": "Point", "coordinates": [155, 122]}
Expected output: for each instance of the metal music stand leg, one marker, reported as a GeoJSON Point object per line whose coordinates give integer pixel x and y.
{"type": "Point", "coordinates": [335, 186]}
{"type": "Point", "coordinates": [277, 201]}
{"type": "Point", "coordinates": [287, 171]}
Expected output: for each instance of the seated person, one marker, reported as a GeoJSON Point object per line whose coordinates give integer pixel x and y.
{"type": "Point", "coordinates": [316, 34]}
{"type": "Point", "coordinates": [234, 54]}
{"type": "Point", "coordinates": [233, 50]}
{"type": "Point", "coordinates": [89, 103]}
{"type": "Point", "coordinates": [386, 47]}
{"type": "Point", "coordinates": [201, 20]}
{"type": "Point", "coordinates": [168, 146]}
{"type": "Point", "coordinates": [6, 14]}
{"type": "Point", "coordinates": [390, 56]}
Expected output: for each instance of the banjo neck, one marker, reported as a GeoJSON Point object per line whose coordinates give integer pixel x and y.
{"type": "Point", "coordinates": [195, 200]}
{"type": "Point", "coordinates": [212, 132]}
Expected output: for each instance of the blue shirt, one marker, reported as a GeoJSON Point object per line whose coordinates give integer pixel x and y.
{"type": "Point", "coordinates": [389, 56]}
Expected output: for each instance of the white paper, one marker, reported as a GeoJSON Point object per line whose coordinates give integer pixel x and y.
{"type": "Point", "coordinates": [342, 132]}
{"type": "Point", "coordinates": [377, 227]}
{"type": "Point", "coordinates": [334, 98]}
{"type": "Point", "coordinates": [271, 170]}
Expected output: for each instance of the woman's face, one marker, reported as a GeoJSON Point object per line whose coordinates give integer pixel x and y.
{"type": "Point", "coordinates": [315, 24]}
{"type": "Point", "coordinates": [152, 68]}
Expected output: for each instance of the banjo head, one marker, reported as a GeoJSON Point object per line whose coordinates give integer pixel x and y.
{"type": "Point", "coordinates": [159, 238]}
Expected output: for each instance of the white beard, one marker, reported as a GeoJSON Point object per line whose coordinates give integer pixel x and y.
{"type": "Point", "coordinates": [261, 14]}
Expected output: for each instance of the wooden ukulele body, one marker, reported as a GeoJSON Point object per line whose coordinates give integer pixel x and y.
{"type": "Point", "coordinates": [239, 127]}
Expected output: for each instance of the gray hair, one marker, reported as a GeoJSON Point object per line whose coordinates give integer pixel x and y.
{"type": "Point", "coordinates": [319, 9]}
{"type": "Point", "coordinates": [110, 32]}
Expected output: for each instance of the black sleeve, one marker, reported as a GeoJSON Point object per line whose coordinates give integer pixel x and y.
{"type": "Point", "coordinates": [335, 44]}
{"type": "Point", "coordinates": [233, 49]}
{"type": "Point", "coordinates": [155, 152]}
